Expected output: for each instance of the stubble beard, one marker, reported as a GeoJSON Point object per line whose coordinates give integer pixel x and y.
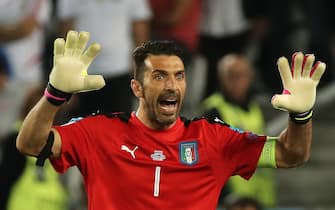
{"type": "Point", "coordinates": [158, 119]}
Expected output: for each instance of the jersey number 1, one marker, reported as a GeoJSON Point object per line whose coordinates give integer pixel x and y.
{"type": "Point", "coordinates": [157, 180]}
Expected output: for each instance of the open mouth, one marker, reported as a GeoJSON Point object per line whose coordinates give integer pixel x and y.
{"type": "Point", "coordinates": [168, 106]}
{"type": "Point", "coordinates": [168, 102]}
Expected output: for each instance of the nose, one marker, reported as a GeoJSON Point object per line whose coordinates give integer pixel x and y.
{"type": "Point", "coordinates": [171, 83]}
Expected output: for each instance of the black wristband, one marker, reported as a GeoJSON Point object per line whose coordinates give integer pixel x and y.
{"type": "Point", "coordinates": [301, 118]}
{"type": "Point", "coordinates": [46, 151]}
{"type": "Point", "coordinates": [55, 96]}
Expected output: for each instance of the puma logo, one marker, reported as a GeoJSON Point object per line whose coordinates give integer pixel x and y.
{"type": "Point", "coordinates": [132, 152]}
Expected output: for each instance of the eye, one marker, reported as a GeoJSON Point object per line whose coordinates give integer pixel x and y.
{"type": "Point", "coordinates": [180, 75]}
{"type": "Point", "coordinates": [158, 76]}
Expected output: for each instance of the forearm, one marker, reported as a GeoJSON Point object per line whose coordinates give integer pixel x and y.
{"type": "Point", "coordinates": [17, 31]}
{"type": "Point", "coordinates": [175, 14]}
{"type": "Point", "coordinates": [141, 32]}
{"type": "Point", "coordinates": [68, 76]}
{"type": "Point", "coordinates": [294, 145]}
{"type": "Point", "coordinates": [179, 10]}
{"type": "Point", "coordinates": [36, 127]}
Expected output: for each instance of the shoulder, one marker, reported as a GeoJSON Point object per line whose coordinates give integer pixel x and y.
{"type": "Point", "coordinates": [213, 126]}
{"type": "Point", "coordinates": [121, 116]}
{"type": "Point", "coordinates": [207, 120]}
{"type": "Point", "coordinates": [97, 118]}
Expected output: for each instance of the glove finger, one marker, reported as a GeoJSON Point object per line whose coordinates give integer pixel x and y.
{"type": "Point", "coordinates": [309, 60]}
{"type": "Point", "coordinates": [93, 82]}
{"type": "Point", "coordinates": [284, 70]}
{"type": "Point", "coordinates": [90, 54]}
{"type": "Point", "coordinates": [59, 46]}
{"type": "Point", "coordinates": [70, 43]}
{"type": "Point", "coordinates": [292, 62]}
{"type": "Point", "coordinates": [81, 43]}
{"type": "Point", "coordinates": [297, 60]}
{"type": "Point", "coordinates": [280, 101]}
{"type": "Point", "coordinates": [317, 71]}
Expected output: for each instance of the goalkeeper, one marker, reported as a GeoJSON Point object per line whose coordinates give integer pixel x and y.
{"type": "Point", "coordinates": [152, 158]}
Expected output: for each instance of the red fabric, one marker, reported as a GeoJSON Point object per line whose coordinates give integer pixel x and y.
{"type": "Point", "coordinates": [116, 180]}
{"type": "Point", "coordinates": [186, 31]}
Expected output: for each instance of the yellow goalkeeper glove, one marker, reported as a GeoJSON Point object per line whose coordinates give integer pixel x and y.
{"type": "Point", "coordinates": [299, 83]}
{"type": "Point", "coordinates": [69, 73]}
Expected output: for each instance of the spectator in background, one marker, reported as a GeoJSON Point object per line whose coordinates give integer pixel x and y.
{"type": "Point", "coordinates": [118, 26]}
{"type": "Point", "coordinates": [242, 203]}
{"type": "Point", "coordinates": [235, 105]}
{"type": "Point", "coordinates": [177, 20]}
{"type": "Point", "coordinates": [223, 30]}
{"type": "Point", "coordinates": [22, 25]}
{"type": "Point", "coordinates": [20, 184]}
{"type": "Point", "coordinates": [226, 27]}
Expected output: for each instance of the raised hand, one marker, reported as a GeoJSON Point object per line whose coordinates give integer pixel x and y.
{"type": "Point", "coordinates": [299, 83]}
{"type": "Point", "coordinates": [71, 61]}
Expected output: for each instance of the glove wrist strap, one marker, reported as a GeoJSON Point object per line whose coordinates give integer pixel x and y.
{"type": "Point", "coordinates": [301, 118]}
{"type": "Point", "coordinates": [55, 96]}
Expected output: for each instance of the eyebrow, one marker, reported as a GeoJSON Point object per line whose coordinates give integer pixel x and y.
{"type": "Point", "coordinates": [164, 71]}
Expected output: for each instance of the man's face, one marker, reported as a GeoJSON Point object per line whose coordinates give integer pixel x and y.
{"type": "Point", "coordinates": [163, 89]}
{"type": "Point", "coordinates": [236, 79]}
{"type": "Point", "coordinates": [188, 152]}
{"type": "Point", "coordinates": [248, 207]}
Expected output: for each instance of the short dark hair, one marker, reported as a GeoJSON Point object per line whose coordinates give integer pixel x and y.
{"type": "Point", "coordinates": [156, 47]}
{"type": "Point", "coordinates": [235, 201]}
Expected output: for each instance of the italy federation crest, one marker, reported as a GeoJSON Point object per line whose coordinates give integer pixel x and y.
{"type": "Point", "coordinates": [188, 152]}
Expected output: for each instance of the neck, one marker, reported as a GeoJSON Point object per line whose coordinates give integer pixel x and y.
{"type": "Point", "coordinates": [152, 124]}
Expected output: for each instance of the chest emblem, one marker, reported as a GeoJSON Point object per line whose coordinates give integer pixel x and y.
{"type": "Point", "coordinates": [158, 155]}
{"type": "Point", "coordinates": [188, 152]}
{"type": "Point", "coordinates": [132, 152]}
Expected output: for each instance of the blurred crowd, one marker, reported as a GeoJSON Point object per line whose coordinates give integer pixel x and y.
{"type": "Point", "coordinates": [238, 40]}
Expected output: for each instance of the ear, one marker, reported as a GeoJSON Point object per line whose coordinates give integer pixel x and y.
{"type": "Point", "coordinates": [136, 87]}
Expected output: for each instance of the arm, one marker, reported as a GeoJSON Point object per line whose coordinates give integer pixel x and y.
{"type": "Point", "coordinates": [181, 6]}
{"type": "Point", "coordinates": [141, 22]}
{"type": "Point", "coordinates": [293, 145]}
{"type": "Point", "coordinates": [24, 26]}
{"type": "Point", "coordinates": [18, 30]}
{"type": "Point", "coordinates": [36, 127]}
{"type": "Point", "coordinates": [68, 76]}
{"type": "Point", "coordinates": [141, 31]}
{"type": "Point", "coordinates": [175, 15]}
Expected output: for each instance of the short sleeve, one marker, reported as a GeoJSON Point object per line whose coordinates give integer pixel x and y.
{"type": "Point", "coordinates": [243, 149]}
{"type": "Point", "coordinates": [246, 150]}
{"type": "Point", "coordinates": [75, 138]}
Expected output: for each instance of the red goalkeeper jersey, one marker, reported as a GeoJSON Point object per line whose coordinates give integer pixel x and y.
{"type": "Point", "coordinates": [126, 165]}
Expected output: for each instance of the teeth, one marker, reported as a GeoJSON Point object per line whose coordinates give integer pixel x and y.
{"type": "Point", "coordinates": [168, 102]}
